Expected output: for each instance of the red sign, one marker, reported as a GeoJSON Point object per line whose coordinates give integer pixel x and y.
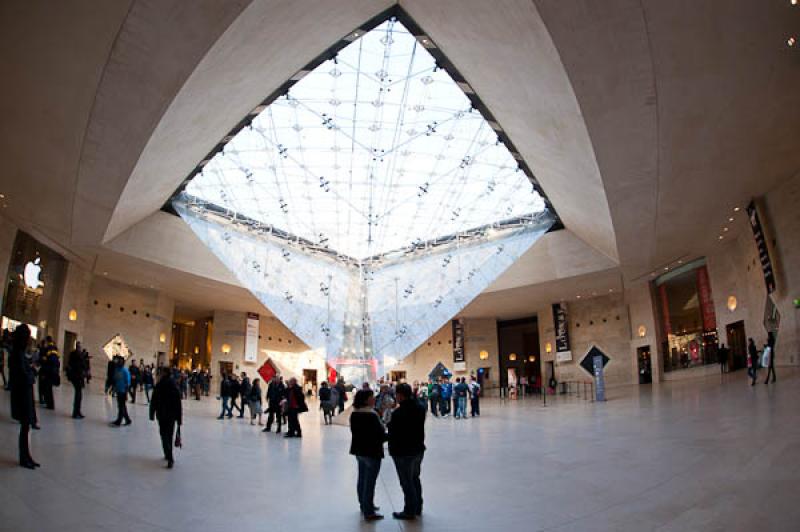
{"type": "Point", "coordinates": [267, 371]}
{"type": "Point", "coordinates": [706, 301]}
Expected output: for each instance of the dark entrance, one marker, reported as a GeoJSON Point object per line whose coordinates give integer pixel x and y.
{"type": "Point", "coordinates": [70, 341]}
{"type": "Point", "coordinates": [310, 380]}
{"type": "Point", "coordinates": [519, 354]}
{"type": "Point", "coordinates": [645, 367]}
{"type": "Point", "coordinates": [737, 343]}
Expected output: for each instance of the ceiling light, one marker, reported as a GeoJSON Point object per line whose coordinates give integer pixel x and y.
{"type": "Point", "coordinates": [105, 273]}
{"type": "Point", "coordinates": [725, 229]}
{"type": "Point", "coordinates": [578, 297]}
{"type": "Point", "coordinates": [666, 268]}
{"type": "Point", "coordinates": [791, 41]}
{"type": "Point", "coordinates": [2, 196]}
{"type": "Point", "coordinates": [736, 209]}
{"type": "Point", "coordinates": [721, 237]}
{"type": "Point", "coordinates": [730, 219]}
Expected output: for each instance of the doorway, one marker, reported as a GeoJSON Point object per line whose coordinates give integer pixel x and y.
{"type": "Point", "coordinates": [737, 344]}
{"type": "Point", "coordinates": [645, 367]}
{"type": "Point", "coordinates": [397, 376]}
{"type": "Point", "coordinates": [518, 342]}
{"type": "Point", "coordinates": [310, 380]}
{"type": "Point", "coordinates": [70, 342]}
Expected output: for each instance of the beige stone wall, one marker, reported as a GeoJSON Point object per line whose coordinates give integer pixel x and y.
{"type": "Point", "coordinates": [602, 321]}
{"type": "Point", "coordinates": [8, 232]}
{"type": "Point", "coordinates": [138, 314]}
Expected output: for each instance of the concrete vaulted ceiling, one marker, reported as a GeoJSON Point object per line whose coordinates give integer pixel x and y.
{"type": "Point", "coordinates": [645, 121]}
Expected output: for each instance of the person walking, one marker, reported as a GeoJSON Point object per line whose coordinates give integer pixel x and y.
{"type": "Point", "coordinates": [225, 392]}
{"type": "Point", "coordinates": [122, 381]}
{"type": "Point", "coordinates": [722, 357]}
{"type": "Point", "coordinates": [276, 392]}
{"type": "Point", "coordinates": [76, 374]}
{"type": "Point", "coordinates": [244, 393]}
{"type": "Point", "coordinates": [752, 361]}
{"type": "Point", "coordinates": [21, 379]}
{"type": "Point", "coordinates": [295, 405]}
{"type": "Point", "coordinates": [254, 402]}
{"type": "Point", "coordinates": [407, 448]}
{"type": "Point", "coordinates": [147, 382]}
{"type": "Point", "coordinates": [367, 446]}
{"type": "Point", "coordinates": [166, 407]}
{"type": "Point", "coordinates": [475, 397]}
{"type": "Point", "coordinates": [325, 402]}
{"type": "Point", "coordinates": [770, 358]}
{"type": "Point", "coordinates": [341, 394]}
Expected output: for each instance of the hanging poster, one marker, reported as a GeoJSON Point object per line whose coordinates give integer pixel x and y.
{"type": "Point", "coordinates": [563, 352]}
{"type": "Point", "coordinates": [251, 338]}
{"type": "Point", "coordinates": [458, 341]}
{"type": "Point", "coordinates": [761, 244]}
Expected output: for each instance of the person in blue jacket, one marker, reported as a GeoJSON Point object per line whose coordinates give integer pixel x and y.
{"type": "Point", "coordinates": [122, 381]}
{"type": "Point", "coordinates": [447, 394]}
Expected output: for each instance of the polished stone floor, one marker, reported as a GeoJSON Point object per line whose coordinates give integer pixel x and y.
{"type": "Point", "coordinates": [706, 454]}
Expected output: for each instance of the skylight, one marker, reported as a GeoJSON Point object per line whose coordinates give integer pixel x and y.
{"type": "Point", "coordinates": [370, 152]}
{"type": "Point", "coordinates": [371, 202]}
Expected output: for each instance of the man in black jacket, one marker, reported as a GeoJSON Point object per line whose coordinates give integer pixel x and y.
{"type": "Point", "coordinates": [407, 447]}
{"type": "Point", "coordinates": [166, 406]}
{"type": "Point", "coordinates": [76, 373]}
{"type": "Point", "coordinates": [225, 392]}
{"type": "Point", "coordinates": [276, 392]}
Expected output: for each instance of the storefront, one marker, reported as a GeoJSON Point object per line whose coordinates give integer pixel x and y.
{"type": "Point", "coordinates": [687, 321]}
{"type": "Point", "coordinates": [34, 283]}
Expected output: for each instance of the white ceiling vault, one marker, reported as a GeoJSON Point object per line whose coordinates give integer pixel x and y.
{"type": "Point", "coordinates": [644, 121]}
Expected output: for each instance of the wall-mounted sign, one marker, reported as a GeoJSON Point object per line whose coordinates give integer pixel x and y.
{"type": "Point", "coordinates": [458, 341]}
{"type": "Point", "coordinates": [251, 338]}
{"type": "Point", "coordinates": [761, 244]}
{"type": "Point", "coordinates": [563, 352]}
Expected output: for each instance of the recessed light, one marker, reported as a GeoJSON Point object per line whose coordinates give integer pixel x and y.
{"type": "Point", "coordinates": [680, 261]}
{"type": "Point", "coordinates": [2, 196]}
{"type": "Point", "coordinates": [610, 289]}
{"type": "Point", "coordinates": [666, 268]}
{"type": "Point", "coordinates": [730, 219]}
{"type": "Point", "coordinates": [725, 229]}
{"type": "Point", "coordinates": [736, 209]}
{"type": "Point", "coordinates": [578, 297]}
{"type": "Point", "coordinates": [721, 237]}
{"type": "Point", "coordinates": [791, 41]}
{"type": "Point", "coordinates": [105, 273]}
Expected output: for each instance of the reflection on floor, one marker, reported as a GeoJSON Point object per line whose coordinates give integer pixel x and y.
{"type": "Point", "coordinates": [704, 454]}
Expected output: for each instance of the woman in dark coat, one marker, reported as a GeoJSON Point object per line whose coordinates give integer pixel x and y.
{"type": "Point", "coordinates": [22, 377]}
{"type": "Point", "coordinates": [166, 406]}
{"type": "Point", "coordinates": [367, 447]}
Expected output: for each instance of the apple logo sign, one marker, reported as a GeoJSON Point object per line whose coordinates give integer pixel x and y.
{"type": "Point", "coordinates": [31, 274]}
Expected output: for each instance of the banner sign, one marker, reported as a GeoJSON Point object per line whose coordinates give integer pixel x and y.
{"type": "Point", "coordinates": [706, 301]}
{"type": "Point", "coordinates": [772, 318]}
{"type": "Point", "coordinates": [251, 338]}
{"type": "Point", "coordinates": [563, 352]}
{"type": "Point", "coordinates": [458, 341]}
{"type": "Point", "coordinates": [761, 244]}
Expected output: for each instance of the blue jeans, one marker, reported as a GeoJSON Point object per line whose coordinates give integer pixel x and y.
{"type": "Point", "coordinates": [226, 407]}
{"type": "Point", "coordinates": [408, 471]}
{"type": "Point", "coordinates": [368, 469]}
{"type": "Point", "coordinates": [461, 407]}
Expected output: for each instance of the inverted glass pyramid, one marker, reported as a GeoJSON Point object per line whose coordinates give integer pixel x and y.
{"type": "Point", "coordinates": [369, 205]}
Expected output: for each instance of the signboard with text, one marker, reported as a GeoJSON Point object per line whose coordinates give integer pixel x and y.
{"type": "Point", "coordinates": [251, 338]}
{"type": "Point", "coordinates": [561, 327]}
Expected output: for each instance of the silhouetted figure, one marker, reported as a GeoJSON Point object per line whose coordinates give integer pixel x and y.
{"type": "Point", "coordinates": [165, 405]}
{"type": "Point", "coordinates": [771, 361]}
{"type": "Point", "coordinates": [752, 361]}
{"type": "Point", "coordinates": [276, 392]}
{"type": "Point", "coordinates": [76, 373]}
{"type": "Point", "coordinates": [407, 448]}
{"type": "Point", "coordinates": [295, 405]}
{"type": "Point", "coordinates": [122, 381]}
{"type": "Point", "coordinates": [21, 379]}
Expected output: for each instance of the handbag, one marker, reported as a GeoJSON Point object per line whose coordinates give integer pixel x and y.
{"type": "Point", "coordinates": [178, 439]}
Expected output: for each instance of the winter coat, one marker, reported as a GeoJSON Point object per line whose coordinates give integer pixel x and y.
{"type": "Point", "coordinates": [21, 379]}
{"type": "Point", "coordinates": [166, 402]}
{"type": "Point", "coordinates": [368, 434]}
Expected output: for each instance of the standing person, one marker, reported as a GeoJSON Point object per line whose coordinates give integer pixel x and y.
{"type": "Point", "coordinates": [49, 374]}
{"type": "Point", "coordinates": [422, 395]}
{"type": "Point", "coordinates": [295, 405]}
{"type": "Point", "coordinates": [475, 397]}
{"type": "Point", "coordinates": [166, 407]}
{"type": "Point", "coordinates": [722, 357]}
{"type": "Point", "coordinates": [76, 374]}
{"type": "Point", "coordinates": [21, 379]}
{"type": "Point", "coordinates": [122, 381]}
{"type": "Point", "coordinates": [407, 448]}
{"type": "Point", "coordinates": [752, 361]}
{"type": "Point", "coordinates": [225, 392]}
{"type": "Point", "coordinates": [135, 379]}
{"type": "Point", "coordinates": [771, 357]}
{"type": "Point", "coordinates": [436, 397]}
{"type": "Point", "coordinates": [244, 393]}
{"type": "Point", "coordinates": [254, 402]}
{"type": "Point", "coordinates": [342, 394]}
{"type": "Point", "coordinates": [325, 402]}
{"type": "Point", "coordinates": [276, 392]}
{"type": "Point", "coordinates": [461, 391]}
{"type": "Point", "coordinates": [147, 381]}
{"type": "Point", "coordinates": [447, 393]}
{"type": "Point", "coordinates": [111, 368]}
{"type": "Point", "coordinates": [235, 389]}
{"type": "Point", "coordinates": [367, 446]}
